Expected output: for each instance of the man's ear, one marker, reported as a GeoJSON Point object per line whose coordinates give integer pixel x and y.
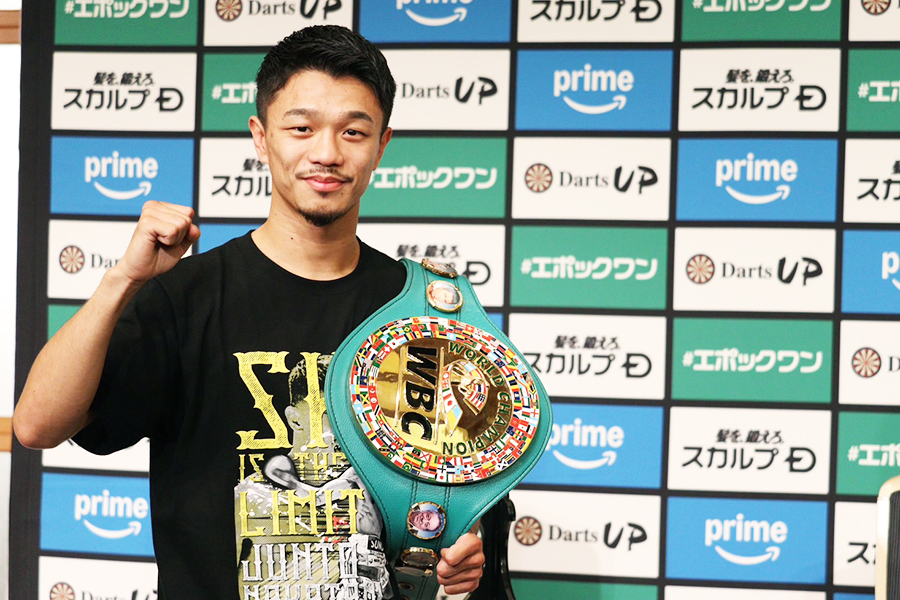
{"type": "Point", "coordinates": [258, 130]}
{"type": "Point", "coordinates": [385, 138]}
{"type": "Point", "coordinates": [292, 416]}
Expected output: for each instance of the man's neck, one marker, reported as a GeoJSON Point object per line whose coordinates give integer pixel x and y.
{"type": "Point", "coordinates": [317, 253]}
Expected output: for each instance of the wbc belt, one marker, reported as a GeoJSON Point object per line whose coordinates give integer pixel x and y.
{"type": "Point", "coordinates": [439, 414]}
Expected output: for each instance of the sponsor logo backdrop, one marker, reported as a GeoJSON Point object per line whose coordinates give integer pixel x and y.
{"type": "Point", "coordinates": [660, 200]}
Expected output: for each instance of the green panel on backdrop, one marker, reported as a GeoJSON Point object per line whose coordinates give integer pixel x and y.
{"type": "Point", "coordinates": [541, 589]}
{"type": "Point", "coordinates": [229, 90]}
{"type": "Point", "coordinates": [866, 453]}
{"type": "Point", "coordinates": [57, 315]}
{"type": "Point", "coordinates": [742, 359]}
{"type": "Point", "coordinates": [141, 23]}
{"type": "Point", "coordinates": [439, 177]}
{"type": "Point", "coordinates": [737, 20]}
{"type": "Point", "coordinates": [589, 267]}
{"type": "Point", "coordinates": [871, 101]}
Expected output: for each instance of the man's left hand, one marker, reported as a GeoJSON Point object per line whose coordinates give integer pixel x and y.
{"type": "Point", "coordinates": [461, 565]}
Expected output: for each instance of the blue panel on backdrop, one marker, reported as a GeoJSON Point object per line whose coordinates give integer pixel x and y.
{"type": "Point", "coordinates": [757, 180]}
{"type": "Point", "coordinates": [421, 21]}
{"type": "Point", "coordinates": [96, 514]}
{"type": "Point", "coordinates": [773, 541]}
{"type": "Point", "coordinates": [871, 272]}
{"type": "Point", "coordinates": [597, 90]}
{"type": "Point", "coordinates": [854, 597]}
{"type": "Point", "coordinates": [212, 236]}
{"type": "Point", "coordinates": [115, 176]}
{"type": "Point", "coordinates": [610, 446]}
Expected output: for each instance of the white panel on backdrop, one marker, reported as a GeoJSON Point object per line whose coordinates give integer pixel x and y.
{"type": "Point", "coordinates": [264, 22]}
{"type": "Point", "coordinates": [854, 543]}
{"type": "Point", "coordinates": [759, 270]}
{"type": "Point", "coordinates": [631, 21]}
{"type": "Point", "coordinates": [84, 579]}
{"type": "Point", "coordinates": [10, 57]}
{"type": "Point", "coordinates": [874, 22]}
{"type": "Point", "coordinates": [69, 455]}
{"type": "Point", "coordinates": [80, 252]}
{"type": "Point", "coordinates": [591, 178]}
{"type": "Point", "coordinates": [585, 534]}
{"type": "Point", "coordinates": [749, 450]}
{"type": "Point", "coordinates": [871, 181]}
{"type": "Point", "coordinates": [591, 356]}
{"type": "Point", "coordinates": [113, 91]}
{"type": "Point", "coordinates": [477, 251]}
{"type": "Point", "coordinates": [233, 183]}
{"type": "Point", "coordinates": [456, 90]}
{"type": "Point", "coordinates": [673, 592]}
{"type": "Point", "coordinates": [869, 367]}
{"type": "Point", "coordinates": [723, 89]}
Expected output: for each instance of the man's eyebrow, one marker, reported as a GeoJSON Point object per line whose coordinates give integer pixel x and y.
{"type": "Point", "coordinates": [349, 115]}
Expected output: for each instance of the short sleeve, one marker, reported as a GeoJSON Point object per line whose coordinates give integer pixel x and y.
{"type": "Point", "coordinates": [135, 397]}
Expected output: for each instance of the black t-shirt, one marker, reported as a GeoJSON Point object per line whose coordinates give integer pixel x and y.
{"type": "Point", "coordinates": [206, 362]}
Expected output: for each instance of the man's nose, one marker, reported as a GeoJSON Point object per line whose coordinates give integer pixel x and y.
{"type": "Point", "coordinates": [325, 149]}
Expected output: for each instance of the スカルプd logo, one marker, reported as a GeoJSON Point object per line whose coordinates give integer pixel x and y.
{"type": "Point", "coordinates": [759, 90]}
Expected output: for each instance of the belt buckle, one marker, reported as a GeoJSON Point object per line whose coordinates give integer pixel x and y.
{"type": "Point", "coordinates": [417, 562]}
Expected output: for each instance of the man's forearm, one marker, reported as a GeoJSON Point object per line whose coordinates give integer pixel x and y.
{"type": "Point", "coordinates": [63, 380]}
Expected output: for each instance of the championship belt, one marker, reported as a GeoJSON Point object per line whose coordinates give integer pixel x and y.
{"type": "Point", "coordinates": [439, 414]}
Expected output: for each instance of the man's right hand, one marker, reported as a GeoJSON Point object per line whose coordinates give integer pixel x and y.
{"type": "Point", "coordinates": [163, 234]}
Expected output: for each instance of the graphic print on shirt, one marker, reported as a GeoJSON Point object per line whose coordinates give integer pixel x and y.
{"type": "Point", "coordinates": [305, 527]}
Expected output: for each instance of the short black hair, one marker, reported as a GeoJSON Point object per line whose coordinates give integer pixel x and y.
{"type": "Point", "coordinates": [333, 50]}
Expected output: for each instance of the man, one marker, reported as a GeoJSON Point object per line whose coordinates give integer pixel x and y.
{"type": "Point", "coordinates": [199, 358]}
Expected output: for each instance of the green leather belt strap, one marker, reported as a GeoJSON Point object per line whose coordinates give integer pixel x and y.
{"type": "Point", "coordinates": [438, 413]}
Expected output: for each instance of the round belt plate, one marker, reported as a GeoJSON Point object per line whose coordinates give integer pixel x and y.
{"type": "Point", "coordinates": [443, 400]}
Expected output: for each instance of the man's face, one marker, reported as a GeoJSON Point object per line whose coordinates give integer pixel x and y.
{"type": "Point", "coordinates": [322, 140]}
{"type": "Point", "coordinates": [426, 520]}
